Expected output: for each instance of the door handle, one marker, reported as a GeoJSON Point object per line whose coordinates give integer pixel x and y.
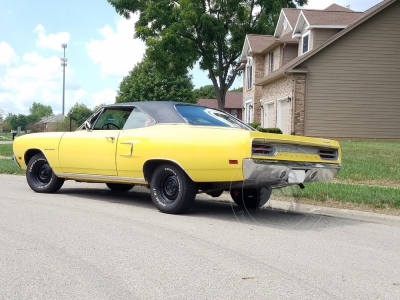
{"type": "Point", "coordinates": [110, 138]}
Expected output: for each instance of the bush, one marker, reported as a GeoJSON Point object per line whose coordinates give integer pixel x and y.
{"type": "Point", "coordinates": [255, 125]}
{"type": "Point", "coordinates": [270, 130]}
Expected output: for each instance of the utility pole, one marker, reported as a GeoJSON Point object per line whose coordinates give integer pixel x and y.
{"type": "Point", "coordinates": [63, 64]}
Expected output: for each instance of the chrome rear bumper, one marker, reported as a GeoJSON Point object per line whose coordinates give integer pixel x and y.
{"type": "Point", "coordinates": [280, 173]}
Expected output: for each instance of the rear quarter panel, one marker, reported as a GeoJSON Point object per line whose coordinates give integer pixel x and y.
{"type": "Point", "coordinates": [203, 152]}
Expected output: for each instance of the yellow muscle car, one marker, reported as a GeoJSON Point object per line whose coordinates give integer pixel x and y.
{"type": "Point", "coordinates": [177, 150]}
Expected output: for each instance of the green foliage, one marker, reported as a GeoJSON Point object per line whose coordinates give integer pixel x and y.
{"type": "Point", "coordinates": [255, 125]}
{"type": "Point", "coordinates": [205, 92]}
{"type": "Point", "coordinates": [79, 114]}
{"type": "Point", "coordinates": [144, 83]}
{"type": "Point", "coordinates": [6, 126]}
{"type": "Point", "coordinates": [66, 125]}
{"type": "Point", "coordinates": [239, 89]}
{"type": "Point", "coordinates": [180, 33]}
{"type": "Point", "coordinates": [38, 111]}
{"type": "Point", "coordinates": [270, 130]}
{"type": "Point", "coordinates": [16, 121]}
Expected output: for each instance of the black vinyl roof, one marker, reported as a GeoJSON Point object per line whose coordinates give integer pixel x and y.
{"type": "Point", "coordinates": [160, 111]}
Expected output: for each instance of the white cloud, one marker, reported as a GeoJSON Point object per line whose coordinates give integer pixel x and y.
{"type": "Point", "coordinates": [37, 79]}
{"type": "Point", "coordinates": [51, 41]}
{"type": "Point", "coordinates": [117, 52]}
{"type": "Point", "coordinates": [106, 96]}
{"type": "Point", "coordinates": [355, 5]}
{"type": "Point", "coordinates": [7, 55]}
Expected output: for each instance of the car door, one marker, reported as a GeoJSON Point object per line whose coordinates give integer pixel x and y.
{"type": "Point", "coordinates": [92, 151]}
{"type": "Point", "coordinates": [135, 145]}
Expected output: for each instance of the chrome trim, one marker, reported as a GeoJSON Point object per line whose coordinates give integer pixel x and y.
{"type": "Point", "coordinates": [276, 173]}
{"type": "Point", "coordinates": [14, 159]}
{"type": "Point", "coordinates": [131, 148]}
{"type": "Point", "coordinates": [99, 177]}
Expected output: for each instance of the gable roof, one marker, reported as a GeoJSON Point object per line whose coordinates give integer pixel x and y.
{"type": "Point", "coordinates": [291, 67]}
{"type": "Point", "coordinates": [289, 14]}
{"type": "Point", "coordinates": [336, 7]}
{"type": "Point", "coordinates": [256, 43]}
{"type": "Point", "coordinates": [325, 19]}
{"type": "Point", "coordinates": [233, 100]}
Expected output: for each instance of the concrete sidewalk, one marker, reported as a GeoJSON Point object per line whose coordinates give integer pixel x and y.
{"type": "Point", "coordinates": [5, 142]}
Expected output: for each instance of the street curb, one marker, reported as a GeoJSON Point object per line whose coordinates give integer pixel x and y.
{"type": "Point", "coordinates": [334, 212]}
{"type": "Point", "coordinates": [320, 210]}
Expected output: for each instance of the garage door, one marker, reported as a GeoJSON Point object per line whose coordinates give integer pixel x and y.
{"type": "Point", "coordinates": [283, 117]}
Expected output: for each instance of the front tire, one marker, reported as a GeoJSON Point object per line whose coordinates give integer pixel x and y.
{"type": "Point", "coordinates": [120, 187]}
{"type": "Point", "coordinates": [172, 191]}
{"type": "Point", "coordinates": [41, 177]}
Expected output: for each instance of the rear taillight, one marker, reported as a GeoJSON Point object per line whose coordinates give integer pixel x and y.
{"type": "Point", "coordinates": [262, 149]}
{"type": "Point", "coordinates": [328, 154]}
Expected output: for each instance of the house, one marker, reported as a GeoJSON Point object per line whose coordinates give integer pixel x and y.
{"type": "Point", "coordinates": [233, 103]}
{"type": "Point", "coordinates": [49, 123]}
{"type": "Point", "coordinates": [327, 73]}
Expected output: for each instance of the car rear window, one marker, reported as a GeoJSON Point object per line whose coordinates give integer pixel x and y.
{"type": "Point", "coordinates": [205, 116]}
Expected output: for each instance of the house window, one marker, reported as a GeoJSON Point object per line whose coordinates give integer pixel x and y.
{"type": "Point", "coordinates": [271, 62]}
{"type": "Point", "coordinates": [249, 73]}
{"type": "Point", "coordinates": [248, 111]}
{"type": "Point", "coordinates": [305, 43]}
{"type": "Point", "coordinates": [234, 113]}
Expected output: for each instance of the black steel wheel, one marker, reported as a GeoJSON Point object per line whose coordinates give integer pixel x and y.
{"type": "Point", "coordinates": [172, 191]}
{"type": "Point", "coordinates": [41, 177]}
{"type": "Point", "coordinates": [120, 187]}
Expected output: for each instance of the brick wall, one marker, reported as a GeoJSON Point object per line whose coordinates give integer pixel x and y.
{"type": "Point", "coordinates": [299, 103]}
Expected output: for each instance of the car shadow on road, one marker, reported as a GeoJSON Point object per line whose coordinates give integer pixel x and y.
{"type": "Point", "coordinates": [216, 209]}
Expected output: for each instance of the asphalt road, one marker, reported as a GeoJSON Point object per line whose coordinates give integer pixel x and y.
{"type": "Point", "coordinates": [87, 242]}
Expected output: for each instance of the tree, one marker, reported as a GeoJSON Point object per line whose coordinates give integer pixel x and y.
{"type": "Point", "coordinates": [144, 83]}
{"type": "Point", "coordinates": [79, 113]}
{"type": "Point", "coordinates": [1, 114]}
{"type": "Point", "coordinates": [16, 121]}
{"type": "Point", "coordinates": [179, 33]}
{"type": "Point", "coordinates": [38, 111]}
{"type": "Point", "coordinates": [205, 92]}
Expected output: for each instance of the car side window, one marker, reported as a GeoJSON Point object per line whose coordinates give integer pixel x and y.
{"type": "Point", "coordinates": [138, 119]}
{"type": "Point", "coordinates": [112, 119]}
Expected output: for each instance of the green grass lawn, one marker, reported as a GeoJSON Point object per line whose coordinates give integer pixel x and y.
{"type": "Point", "coordinates": [370, 161]}
{"type": "Point", "coordinates": [7, 166]}
{"type": "Point", "coordinates": [6, 150]}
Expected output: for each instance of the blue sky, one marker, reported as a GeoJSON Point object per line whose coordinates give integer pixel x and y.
{"type": "Point", "coordinates": [100, 52]}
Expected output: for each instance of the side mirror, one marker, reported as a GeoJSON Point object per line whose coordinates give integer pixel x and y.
{"type": "Point", "coordinates": [87, 125]}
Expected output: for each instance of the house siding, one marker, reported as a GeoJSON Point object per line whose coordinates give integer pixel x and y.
{"type": "Point", "coordinates": [255, 92]}
{"type": "Point", "coordinates": [289, 53]}
{"type": "Point", "coordinates": [322, 35]}
{"type": "Point", "coordinates": [353, 85]}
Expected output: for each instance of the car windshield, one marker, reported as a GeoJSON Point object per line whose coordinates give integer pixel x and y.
{"type": "Point", "coordinates": [205, 116]}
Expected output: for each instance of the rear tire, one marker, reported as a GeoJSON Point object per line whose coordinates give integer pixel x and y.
{"type": "Point", "coordinates": [251, 198]}
{"type": "Point", "coordinates": [41, 177]}
{"type": "Point", "coordinates": [120, 187]}
{"type": "Point", "coordinates": [171, 189]}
